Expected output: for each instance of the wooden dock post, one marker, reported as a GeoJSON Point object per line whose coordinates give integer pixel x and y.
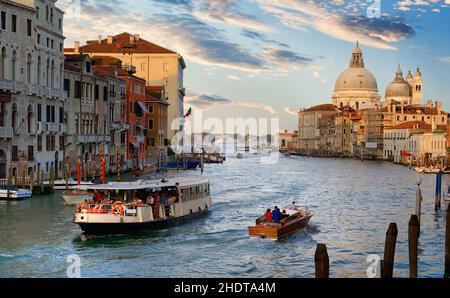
{"type": "Point", "coordinates": [31, 181]}
{"type": "Point", "coordinates": [38, 179]}
{"type": "Point", "coordinates": [8, 183]}
{"type": "Point", "coordinates": [389, 250]}
{"type": "Point", "coordinates": [419, 198]}
{"type": "Point", "coordinates": [322, 261]}
{"type": "Point", "coordinates": [52, 179]}
{"type": "Point", "coordinates": [24, 179]}
{"type": "Point", "coordinates": [447, 244]}
{"type": "Point", "coordinates": [42, 181]}
{"type": "Point", "coordinates": [437, 200]}
{"type": "Point", "coordinates": [413, 239]}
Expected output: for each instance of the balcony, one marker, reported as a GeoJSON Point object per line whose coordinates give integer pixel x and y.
{"type": "Point", "coordinates": [44, 91]}
{"type": "Point", "coordinates": [33, 89]}
{"type": "Point", "coordinates": [87, 102]}
{"type": "Point", "coordinates": [18, 87]}
{"type": "Point", "coordinates": [119, 126]}
{"type": "Point", "coordinates": [55, 93]}
{"type": "Point", "coordinates": [89, 139]}
{"type": "Point", "coordinates": [6, 85]}
{"type": "Point", "coordinates": [53, 127]}
{"type": "Point", "coordinates": [6, 133]}
{"type": "Point", "coordinates": [63, 128]}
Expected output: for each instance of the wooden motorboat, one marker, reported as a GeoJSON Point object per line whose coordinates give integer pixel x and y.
{"type": "Point", "coordinates": [147, 170]}
{"type": "Point", "coordinates": [297, 220]}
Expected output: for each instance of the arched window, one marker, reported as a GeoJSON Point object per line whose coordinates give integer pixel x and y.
{"type": "Point", "coordinates": [13, 66]}
{"type": "Point", "coordinates": [52, 74]}
{"type": "Point", "coordinates": [29, 61]}
{"type": "Point", "coordinates": [48, 73]}
{"type": "Point", "coordinates": [14, 116]}
{"type": "Point", "coordinates": [29, 118]}
{"type": "Point", "coordinates": [2, 63]}
{"type": "Point", "coordinates": [2, 114]}
{"type": "Point", "coordinates": [39, 70]}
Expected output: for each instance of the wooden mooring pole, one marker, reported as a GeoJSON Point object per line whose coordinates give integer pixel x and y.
{"type": "Point", "coordinates": [419, 198]}
{"type": "Point", "coordinates": [447, 244]}
{"type": "Point", "coordinates": [437, 200]}
{"type": "Point", "coordinates": [389, 251]}
{"type": "Point", "coordinates": [413, 241]}
{"type": "Point", "coordinates": [322, 261]}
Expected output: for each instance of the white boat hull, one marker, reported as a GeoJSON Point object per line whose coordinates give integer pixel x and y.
{"type": "Point", "coordinates": [18, 194]}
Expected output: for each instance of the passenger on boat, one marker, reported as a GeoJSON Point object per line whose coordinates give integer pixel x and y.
{"type": "Point", "coordinates": [178, 193]}
{"type": "Point", "coordinates": [268, 215]}
{"type": "Point", "coordinates": [276, 215]}
{"type": "Point", "coordinates": [293, 206]}
{"type": "Point", "coordinates": [284, 215]}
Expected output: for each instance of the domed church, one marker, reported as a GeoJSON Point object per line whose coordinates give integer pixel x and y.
{"type": "Point", "coordinates": [407, 92]}
{"type": "Point", "coordinates": [356, 86]}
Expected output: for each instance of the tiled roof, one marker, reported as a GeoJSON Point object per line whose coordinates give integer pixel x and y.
{"type": "Point", "coordinates": [411, 125]}
{"type": "Point", "coordinates": [322, 107]}
{"type": "Point", "coordinates": [121, 43]}
{"type": "Point", "coordinates": [108, 72]}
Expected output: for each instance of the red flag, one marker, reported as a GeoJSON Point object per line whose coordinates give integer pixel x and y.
{"type": "Point", "coordinates": [79, 172]}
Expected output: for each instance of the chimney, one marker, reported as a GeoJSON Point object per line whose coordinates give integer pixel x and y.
{"type": "Point", "coordinates": [438, 107]}
{"type": "Point", "coordinates": [430, 104]}
{"type": "Point", "coordinates": [131, 39]}
{"type": "Point", "coordinates": [99, 39]}
{"type": "Point", "coordinates": [110, 39]}
{"type": "Point", "coordinates": [76, 47]}
{"type": "Point", "coordinates": [137, 37]}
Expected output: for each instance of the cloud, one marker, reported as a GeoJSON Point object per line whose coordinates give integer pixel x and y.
{"type": "Point", "coordinates": [287, 60]}
{"type": "Point", "coordinates": [205, 101]}
{"type": "Point", "coordinates": [444, 59]}
{"type": "Point", "coordinates": [228, 12]}
{"type": "Point", "coordinates": [193, 38]}
{"type": "Point", "coordinates": [262, 37]}
{"type": "Point", "coordinates": [234, 78]}
{"type": "Point", "coordinates": [375, 32]}
{"type": "Point", "coordinates": [291, 111]}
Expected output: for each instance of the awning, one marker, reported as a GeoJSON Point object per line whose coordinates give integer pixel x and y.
{"type": "Point", "coordinates": [142, 106]}
{"type": "Point", "coordinates": [140, 126]}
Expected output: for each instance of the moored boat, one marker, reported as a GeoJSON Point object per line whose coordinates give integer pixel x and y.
{"type": "Point", "coordinates": [138, 205]}
{"type": "Point", "coordinates": [14, 193]}
{"type": "Point", "coordinates": [296, 220]}
{"type": "Point", "coordinates": [147, 170]}
{"type": "Point", "coordinates": [62, 184]}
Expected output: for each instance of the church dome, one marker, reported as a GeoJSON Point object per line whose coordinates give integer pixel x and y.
{"type": "Point", "coordinates": [398, 87]}
{"type": "Point", "coordinates": [356, 77]}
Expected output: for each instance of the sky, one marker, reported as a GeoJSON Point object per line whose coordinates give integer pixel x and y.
{"type": "Point", "coordinates": [270, 58]}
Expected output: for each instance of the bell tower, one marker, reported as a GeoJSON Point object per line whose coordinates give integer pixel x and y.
{"type": "Point", "coordinates": [417, 88]}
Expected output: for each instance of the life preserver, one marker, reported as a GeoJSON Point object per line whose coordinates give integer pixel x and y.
{"type": "Point", "coordinates": [118, 210]}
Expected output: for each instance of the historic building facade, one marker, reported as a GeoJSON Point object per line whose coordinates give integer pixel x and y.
{"type": "Point", "coordinates": [31, 72]}
{"type": "Point", "coordinates": [158, 66]}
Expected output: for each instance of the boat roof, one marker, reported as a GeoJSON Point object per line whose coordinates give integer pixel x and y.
{"type": "Point", "coordinates": [146, 184]}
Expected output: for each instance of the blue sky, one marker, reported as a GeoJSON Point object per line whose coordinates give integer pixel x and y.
{"type": "Point", "coordinates": [269, 58]}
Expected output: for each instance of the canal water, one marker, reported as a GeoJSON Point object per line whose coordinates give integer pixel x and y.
{"type": "Point", "coordinates": [355, 202]}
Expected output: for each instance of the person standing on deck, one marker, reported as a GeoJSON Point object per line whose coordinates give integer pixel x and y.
{"type": "Point", "coordinates": [268, 215]}
{"type": "Point", "coordinates": [276, 215]}
{"type": "Point", "coordinates": [293, 206]}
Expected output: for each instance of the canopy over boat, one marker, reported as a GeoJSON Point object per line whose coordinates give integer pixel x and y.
{"type": "Point", "coordinates": [144, 184]}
